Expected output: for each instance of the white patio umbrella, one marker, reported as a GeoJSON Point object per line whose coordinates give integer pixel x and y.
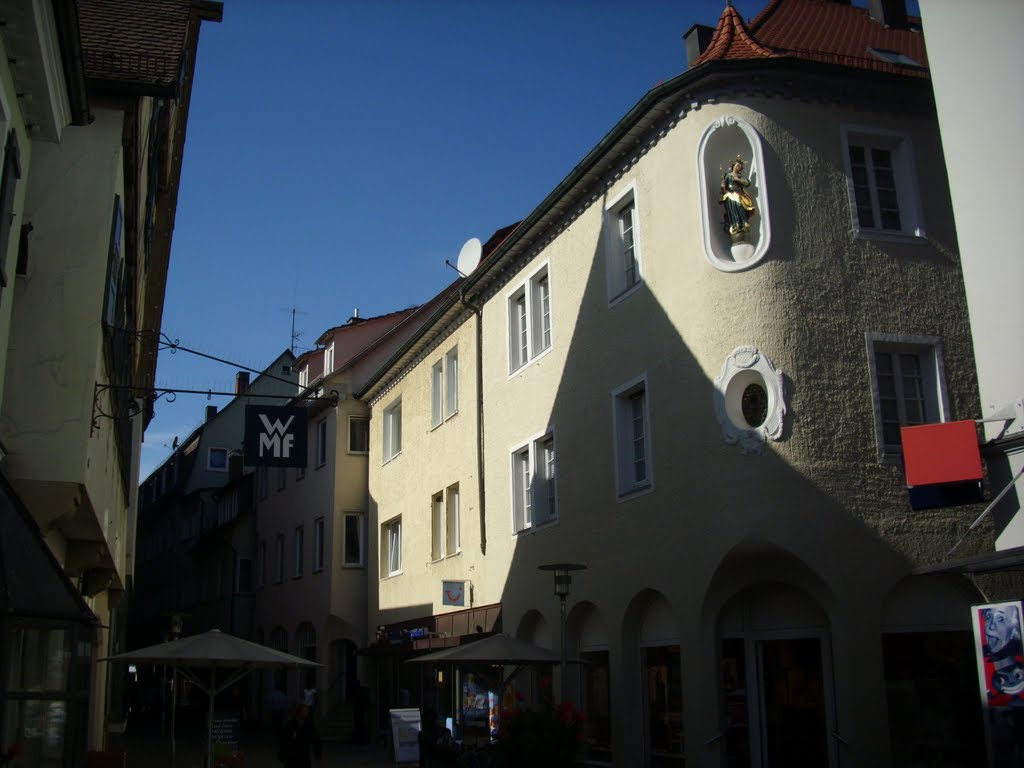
{"type": "Point", "coordinates": [212, 650]}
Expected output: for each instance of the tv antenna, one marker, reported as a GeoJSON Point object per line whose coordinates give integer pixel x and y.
{"type": "Point", "coordinates": [295, 335]}
{"type": "Point", "coordinates": [469, 257]}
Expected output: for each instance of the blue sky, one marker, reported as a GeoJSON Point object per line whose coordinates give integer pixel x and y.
{"type": "Point", "coordinates": [338, 151]}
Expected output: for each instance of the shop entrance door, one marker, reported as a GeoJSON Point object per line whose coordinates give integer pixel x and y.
{"type": "Point", "coordinates": [781, 719]}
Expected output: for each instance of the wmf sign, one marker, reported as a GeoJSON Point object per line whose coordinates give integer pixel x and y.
{"type": "Point", "coordinates": [275, 436]}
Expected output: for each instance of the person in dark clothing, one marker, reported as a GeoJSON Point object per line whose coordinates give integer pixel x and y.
{"type": "Point", "coordinates": [428, 737]}
{"type": "Point", "coordinates": [298, 737]}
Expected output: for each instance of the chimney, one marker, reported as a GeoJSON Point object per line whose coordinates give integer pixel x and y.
{"type": "Point", "coordinates": [697, 38]}
{"type": "Point", "coordinates": [241, 382]}
{"type": "Point", "coordinates": [211, 411]}
{"type": "Point", "coordinates": [891, 13]}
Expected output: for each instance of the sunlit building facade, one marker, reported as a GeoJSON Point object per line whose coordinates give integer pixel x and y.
{"type": "Point", "coordinates": [702, 404]}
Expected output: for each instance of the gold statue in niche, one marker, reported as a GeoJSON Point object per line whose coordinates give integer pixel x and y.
{"type": "Point", "coordinates": [737, 204]}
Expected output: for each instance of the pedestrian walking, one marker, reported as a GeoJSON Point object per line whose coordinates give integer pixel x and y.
{"type": "Point", "coordinates": [298, 738]}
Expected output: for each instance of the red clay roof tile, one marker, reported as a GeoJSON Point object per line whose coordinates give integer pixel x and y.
{"type": "Point", "coordinates": [732, 40]}
{"type": "Point", "coordinates": [819, 30]}
{"type": "Point", "coordinates": [133, 41]}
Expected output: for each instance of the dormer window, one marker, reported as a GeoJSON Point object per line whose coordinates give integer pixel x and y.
{"type": "Point", "coordinates": [893, 57]}
{"type": "Point", "coordinates": [329, 358]}
{"type": "Point", "coordinates": [303, 377]}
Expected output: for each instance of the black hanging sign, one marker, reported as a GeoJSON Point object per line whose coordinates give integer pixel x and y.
{"type": "Point", "coordinates": [275, 436]}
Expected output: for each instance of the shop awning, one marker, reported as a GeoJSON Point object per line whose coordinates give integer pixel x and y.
{"type": "Point", "coordinates": [1000, 560]}
{"type": "Point", "coordinates": [494, 649]}
{"type": "Point", "coordinates": [32, 583]}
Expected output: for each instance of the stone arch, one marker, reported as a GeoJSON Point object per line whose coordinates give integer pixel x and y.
{"type": "Point", "coordinates": [533, 683]}
{"type": "Point", "coordinates": [653, 684]}
{"type": "Point", "coordinates": [936, 602]}
{"type": "Point", "coordinates": [305, 647]}
{"type": "Point", "coordinates": [587, 634]}
{"type": "Point", "coordinates": [279, 642]}
{"type": "Point", "coordinates": [756, 561]}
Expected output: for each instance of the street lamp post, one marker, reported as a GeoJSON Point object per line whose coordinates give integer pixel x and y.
{"type": "Point", "coordinates": [563, 581]}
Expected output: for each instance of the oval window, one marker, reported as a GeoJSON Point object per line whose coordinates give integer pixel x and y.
{"type": "Point", "coordinates": [754, 405]}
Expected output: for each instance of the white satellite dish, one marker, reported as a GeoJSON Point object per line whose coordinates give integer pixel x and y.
{"type": "Point", "coordinates": [469, 256]}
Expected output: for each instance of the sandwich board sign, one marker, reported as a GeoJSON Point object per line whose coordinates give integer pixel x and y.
{"type": "Point", "coordinates": [405, 735]}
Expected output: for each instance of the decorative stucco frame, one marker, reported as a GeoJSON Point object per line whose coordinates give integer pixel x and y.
{"type": "Point", "coordinates": [723, 139]}
{"type": "Point", "coordinates": [744, 366]}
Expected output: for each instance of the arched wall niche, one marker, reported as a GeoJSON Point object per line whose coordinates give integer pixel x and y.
{"type": "Point", "coordinates": [771, 607]}
{"type": "Point", "coordinates": [754, 562]}
{"type": "Point", "coordinates": [938, 602]}
{"type": "Point", "coordinates": [723, 140]}
{"type": "Point", "coordinates": [533, 628]}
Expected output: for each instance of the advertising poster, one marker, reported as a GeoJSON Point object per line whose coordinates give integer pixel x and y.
{"type": "Point", "coordinates": [475, 703]}
{"type": "Point", "coordinates": [997, 638]}
{"type": "Point", "coordinates": [405, 735]}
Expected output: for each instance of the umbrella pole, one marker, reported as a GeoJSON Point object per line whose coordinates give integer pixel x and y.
{"type": "Point", "coordinates": [209, 719]}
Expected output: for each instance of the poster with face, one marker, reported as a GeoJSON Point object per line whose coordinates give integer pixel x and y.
{"type": "Point", "coordinates": [997, 638]}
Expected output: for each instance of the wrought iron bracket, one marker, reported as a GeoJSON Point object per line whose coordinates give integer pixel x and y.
{"type": "Point", "coordinates": [134, 408]}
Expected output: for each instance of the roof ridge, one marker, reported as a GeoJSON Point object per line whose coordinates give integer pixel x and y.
{"type": "Point", "coordinates": [730, 34]}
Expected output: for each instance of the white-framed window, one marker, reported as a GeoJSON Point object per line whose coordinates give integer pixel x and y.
{"type": "Point", "coordinates": [299, 543]}
{"type": "Point", "coordinates": [321, 442]}
{"type": "Point", "coordinates": [391, 543]}
{"type": "Point", "coordinates": [529, 320]}
{"type": "Point", "coordinates": [622, 244]}
{"type": "Point", "coordinates": [303, 377]}
{"type": "Point", "coordinates": [261, 564]}
{"type": "Point", "coordinates": [453, 521]}
{"type": "Point", "coordinates": [329, 359]}
{"type": "Point", "coordinates": [353, 544]}
{"type": "Point", "coordinates": [534, 501]}
{"type": "Point", "coordinates": [444, 387]}
{"type": "Point", "coordinates": [217, 460]}
{"type": "Point", "coordinates": [392, 430]}
{"type": "Point", "coordinates": [318, 545]}
{"type": "Point", "coordinates": [279, 558]}
{"type": "Point", "coordinates": [631, 417]}
{"type": "Point", "coordinates": [908, 386]}
{"type": "Point", "coordinates": [358, 434]}
{"type": "Point", "coordinates": [437, 537]}
{"type": "Point", "coordinates": [437, 393]}
{"type": "Point", "coordinates": [445, 540]}
{"type": "Point", "coordinates": [451, 382]}
{"type": "Point", "coordinates": [882, 182]}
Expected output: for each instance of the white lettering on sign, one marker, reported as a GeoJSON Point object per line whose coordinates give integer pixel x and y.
{"type": "Point", "coordinates": [274, 438]}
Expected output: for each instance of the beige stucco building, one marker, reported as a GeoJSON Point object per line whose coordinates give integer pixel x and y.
{"type": "Point", "coordinates": [94, 132]}
{"type": "Point", "coordinates": [725, 415]}
{"type": "Point", "coordinates": [311, 583]}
